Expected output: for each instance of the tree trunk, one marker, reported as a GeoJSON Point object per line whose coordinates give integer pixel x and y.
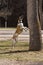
{"type": "Point", "coordinates": [40, 13]}
{"type": "Point", "coordinates": [33, 23]}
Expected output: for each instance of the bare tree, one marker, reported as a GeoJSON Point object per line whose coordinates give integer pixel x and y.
{"type": "Point", "coordinates": [35, 37]}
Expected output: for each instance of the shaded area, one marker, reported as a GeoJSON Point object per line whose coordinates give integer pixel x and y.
{"type": "Point", "coordinates": [16, 8]}
{"type": "Point", "coordinates": [2, 22]}
{"type": "Point", "coordinates": [18, 51]}
{"type": "Point", "coordinates": [19, 8]}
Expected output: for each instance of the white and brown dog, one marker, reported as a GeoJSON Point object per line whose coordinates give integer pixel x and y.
{"type": "Point", "coordinates": [19, 30]}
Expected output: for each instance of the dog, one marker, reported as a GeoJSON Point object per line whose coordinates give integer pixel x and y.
{"type": "Point", "coordinates": [19, 30]}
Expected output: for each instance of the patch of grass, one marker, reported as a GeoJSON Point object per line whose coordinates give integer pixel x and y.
{"type": "Point", "coordinates": [6, 43]}
{"type": "Point", "coordinates": [7, 46]}
{"type": "Point", "coordinates": [7, 28]}
{"type": "Point", "coordinates": [19, 52]}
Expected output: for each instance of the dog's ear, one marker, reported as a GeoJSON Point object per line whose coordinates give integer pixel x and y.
{"type": "Point", "coordinates": [21, 17]}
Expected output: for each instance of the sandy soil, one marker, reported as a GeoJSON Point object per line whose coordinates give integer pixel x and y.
{"type": "Point", "coordinates": [14, 62]}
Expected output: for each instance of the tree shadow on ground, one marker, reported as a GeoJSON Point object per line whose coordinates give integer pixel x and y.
{"type": "Point", "coordinates": [18, 51]}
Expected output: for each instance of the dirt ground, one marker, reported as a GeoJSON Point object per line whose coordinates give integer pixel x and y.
{"type": "Point", "coordinates": [13, 62]}
{"type": "Point", "coordinates": [20, 58]}
{"type": "Point", "coordinates": [33, 58]}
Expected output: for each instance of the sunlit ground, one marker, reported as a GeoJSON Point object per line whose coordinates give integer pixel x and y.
{"type": "Point", "coordinates": [7, 46]}
{"type": "Point", "coordinates": [19, 52]}
{"type": "Point", "coordinates": [7, 28]}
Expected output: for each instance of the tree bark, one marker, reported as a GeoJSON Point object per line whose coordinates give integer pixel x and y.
{"type": "Point", "coordinates": [33, 23]}
{"type": "Point", "coordinates": [40, 13]}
